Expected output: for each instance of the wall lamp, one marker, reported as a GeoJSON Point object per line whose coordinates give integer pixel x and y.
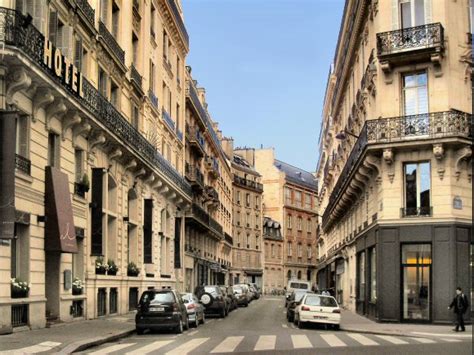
{"type": "Point", "coordinates": [342, 135]}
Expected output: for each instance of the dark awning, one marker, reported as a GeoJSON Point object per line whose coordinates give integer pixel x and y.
{"type": "Point", "coordinates": [60, 234]}
{"type": "Point", "coordinates": [254, 272]}
{"type": "Point", "coordinates": [7, 174]}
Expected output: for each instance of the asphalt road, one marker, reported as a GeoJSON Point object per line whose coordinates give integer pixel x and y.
{"type": "Point", "coordinates": [263, 327]}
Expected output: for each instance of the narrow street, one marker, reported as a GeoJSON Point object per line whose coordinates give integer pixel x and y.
{"type": "Point", "coordinates": [263, 327]}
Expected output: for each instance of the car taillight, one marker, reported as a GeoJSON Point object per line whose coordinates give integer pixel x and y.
{"type": "Point", "coordinates": [175, 307]}
{"type": "Point", "coordinates": [304, 308]}
{"type": "Point", "coordinates": [336, 311]}
{"type": "Point", "coordinates": [191, 306]}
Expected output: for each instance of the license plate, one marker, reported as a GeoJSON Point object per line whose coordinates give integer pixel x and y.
{"type": "Point", "coordinates": [157, 309]}
{"type": "Point", "coordinates": [320, 317]}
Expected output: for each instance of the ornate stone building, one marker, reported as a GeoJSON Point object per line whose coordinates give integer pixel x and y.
{"type": "Point", "coordinates": [92, 99]}
{"type": "Point", "coordinates": [247, 195]}
{"type": "Point", "coordinates": [208, 242]}
{"type": "Point", "coordinates": [290, 198]}
{"type": "Point", "coordinates": [395, 167]}
{"type": "Point", "coordinates": [273, 276]}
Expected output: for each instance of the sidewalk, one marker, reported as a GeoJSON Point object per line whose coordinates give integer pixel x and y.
{"type": "Point", "coordinates": [69, 337]}
{"type": "Point", "coordinates": [353, 322]}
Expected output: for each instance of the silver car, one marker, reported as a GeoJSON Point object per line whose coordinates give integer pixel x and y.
{"type": "Point", "coordinates": [194, 308]}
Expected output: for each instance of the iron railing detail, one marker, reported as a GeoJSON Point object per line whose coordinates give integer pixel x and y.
{"type": "Point", "coordinates": [135, 75]}
{"type": "Point", "coordinates": [22, 164]}
{"type": "Point", "coordinates": [399, 129]}
{"type": "Point", "coordinates": [425, 211]}
{"type": "Point", "coordinates": [228, 239]}
{"type": "Point", "coordinates": [205, 219]}
{"type": "Point", "coordinates": [28, 39]}
{"type": "Point", "coordinates": [248, 183]}
{"type": "Point", "coordinates": [153, 99]}
{"type": "Point", "coordinates": [87, 10]}
{"type": "Point", "coordinates": [413, 38]}
{"type": "Point", "coordinates": [193, 174]}
{"type": "Point", "coordinates": [19, 315]}
{"type": "Point", "coordinates": [111, 42]}
{"type": "Point", "coordinates": [167, 118]}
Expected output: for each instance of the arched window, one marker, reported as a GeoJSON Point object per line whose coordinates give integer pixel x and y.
{"type": "Point", "coordinates": [289, 274]}
{"type": "Point", "coordinates": [299, 275]}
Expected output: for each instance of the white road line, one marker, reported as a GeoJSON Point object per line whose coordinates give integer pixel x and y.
{"type": "Point", "coordinates": [301, 341]}
{"type": "Point", "coordinates": [284, 325]}
{"type": "Point", "coordinates": [451, 340]}
{"type": "Point", "coordinates": [362, 339]}
{"type": "Point", "coordinates": [192, 333]}
{"type": "Point", "coordinates": [219, 320]}
{"type": "Point", "coordinates": [44, 346]}
{"type": "Point", "coordinates": [265, 342]}
{"type": "Point", "coordinates": [423, 340]}
{"type": "Point", "coordinates": [228, 345]}
{"type": "Point", "coordinates": [150, 347]}
{"type": "Point", "coordinates": [332, 340]}
{"type": "Point", "coordinates": [391, 339]}
{"type": "Point", "coordinates": [445, 335]}
{"type": "Point", "coordinates": [112, 348]}
{"type": "Point", "coordinates": [187, 347]}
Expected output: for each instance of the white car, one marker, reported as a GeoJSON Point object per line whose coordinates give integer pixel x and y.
{"type": "Point", "coordinates": [315, 308]}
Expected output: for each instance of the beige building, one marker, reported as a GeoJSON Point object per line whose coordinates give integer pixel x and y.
{"type": "Point", "coordinates": [273, 256]}
{"type": "Point", "coordinates": [96, 176]}
{"type": "Point", "coordinates": [247, 190]}
{"type": "Point", "coordinates": [290, 198]}
{"type": "Point", "coordinates": [395, 167]}
{"type": "Point", "coordinates": [208, 241]}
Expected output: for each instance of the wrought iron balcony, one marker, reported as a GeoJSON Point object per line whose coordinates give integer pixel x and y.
{"type": "Point", "coordinates": [192, 96]}
{"type": "Point", "coordinates": [212, 165]}
{"type": "Point", "coordinates": [167, 118]}
{"type": "Point", "coordinates": [179, 21]}
{"type": "Point", "coordinates": [196, 140]}
{"type": "Point", "coordinates": [248, 183]}
{"type": "Point", "coordinates": [211, 194]}
{"type": "Point", "coordinates": [426, 38]}
{"type": "Point", "coordinates": [87, 10]}
{"type": "Point", "coordinates": [111, 42]}
{"type": "Point", "coordinates": [153, 99]}
{"type": "Point", "coordinates": [24, 36]}
{"type": "Point", "coordinates": [22, 164]}
{"type": "Point", "coordinates": [194, 176]}
{"type": "Point", "coordinates": [228, 239]}
{"type": "Point", "coordinates": [135, 77]}
{"type": "Point", "coordinates": [398, 130]}
{"type": "Point", "coordinates": [179, 133]}
{"type": "Point", "coordinates": [206, 221]}
{"type": "Point", "coordinates": [426, 211]}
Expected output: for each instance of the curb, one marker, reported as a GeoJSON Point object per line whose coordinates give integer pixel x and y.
{"type": "Point", "coordinates": [388, 332]}
{"type": "Point", "coordinates": [85, 344]}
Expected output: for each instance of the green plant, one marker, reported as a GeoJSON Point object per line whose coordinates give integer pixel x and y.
{"type": "Point", "coordinates": [77, 286]}
{"type": "Point", "coordinates": [132, 269]}
{"type": "Point", "coordinates": [85, 182]}
{"type": "Point", "coordinates": [18, 286]}
{"type": "Point", "coordinates": [113, 268]}
{"type": "Point", "coordinates": [101, 265]}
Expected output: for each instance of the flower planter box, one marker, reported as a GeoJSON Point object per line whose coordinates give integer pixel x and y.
{"type": "Point", "coordinates": [76, 291]}
{"type": "Point", "coordinates": [112, 273]}
{"type": "Point", "coordinates": [19, 294]}
{"type": "Point", "coordinates": [100, 271]}
{"type": "Point", "coordinates": [132, 274]}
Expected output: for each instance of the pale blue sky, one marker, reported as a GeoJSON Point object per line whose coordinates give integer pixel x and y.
{"type": "Point", "coordinates": [264, 64]}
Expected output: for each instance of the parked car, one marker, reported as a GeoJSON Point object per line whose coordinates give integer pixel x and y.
{"type": "Point", "coordinates": [295, 297]}
{"type": "Point", "coordinates": [248, 292]}
{"type": "Point", "coordinates": [194, 308]}
{"type": "Point", "coordinates": [318, 309]}
{"type": "Point", "coordinates": [296, 285]}
{"type": "Point", "coordinates": [255, 293]}
{"type": "Point", "coordinates": [228, 301]}
{"type": "Point", "coordinates": [231, 297]}
{"type": "Point", "coordinates": [161, 309]}
{"type": "Point", "coordinates": [241, 295]}
{"type": "Point", "coordinates": [258, 291]}
{"type": "Point", "coordinates": [213, 300]}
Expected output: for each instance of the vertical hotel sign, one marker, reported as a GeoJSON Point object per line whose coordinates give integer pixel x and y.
{"type": "Point", "coordinates": [63, 68]}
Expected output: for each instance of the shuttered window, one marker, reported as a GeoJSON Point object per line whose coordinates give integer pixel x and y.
{"type": "Point", "coordinates": [96, 211]}
{"type": "Point", "coordinates": [148, 232]}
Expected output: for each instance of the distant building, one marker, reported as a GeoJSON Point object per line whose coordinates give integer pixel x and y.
{"type": "Point", "coordinates": [274, 278]}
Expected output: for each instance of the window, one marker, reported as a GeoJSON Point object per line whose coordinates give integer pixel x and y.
{"type": "Point", "coordinates": [165, 45]}
{"type": "Point", "coordinates": [114, 94]}
{"type": "Point", "coordinates": [19, 261]}
{"type": "Point", "coordinates": [417, 189]}
{"type": "Point", "coordinates": [287, 195]}
{"type": "Point", "coordinates": [135, 55]}
{"type": "Point", "coordinates": [471, 16]}
{"type": "Point", "coordinates": [310, 251]}
{"type": "Point", "coordinates": [361, 275]}
{"type": "Point", "coordinates": [178, 69]}
{"type": "Point", "coordinates": [298, 196]}
{"type": "Point", "coordinates": [412, 13]}
{"type": "Point", "coordinates": [415, 94]}
{"type": "Point", "coordinates": [308, 201]}
{"type": "Point", "coordinates": [273, 250]}
{"type": "Point", "coordinates": [373, 275]}
{"type": "Point", "coordinates": [178, 117]}
{"type": "Point", "coordinates": [79, 164]}
{"type": "Point", "coordinates": [37, 10]}
{"type": "Point", "coordinates": [53, 150]}
{"type": "Point", "coordinates": [22, 139]}
{"type": "Point", "coordinates": [115, 20]}
{"type": "Point", "coordinates": [104, 7]}
{"type": "Point", "coordinates": [300, 223]}
{"type": "Point", "coordinates": [300, 250]}
{"type": "Point", "coordinates": [103, 80]}
{"type": "Point", "coordinates": [135, 116]}
{"type": "Point", "coordinates": [248, 240]}
{"type": "Point", "coordinates": [80, 55]}
{"type": "Point", "coordinates": [257, 242]}
{"type": "Point", "coordinates": [247, 200]}
{"type": "Point", "coordinates": [152, 21]}
{"type": "Point", "coordinates": [257, 202]}
{"type": "Point", "coordinates": [238, 197]}
{"type": "Point", "coordinates": [247, 219]}
{"type": "Point", "coordinates": [238, 218]}
{"type": "Point", "coordinates": [308, 225]}
{"type": "Point", "coordinates": [290, 249]}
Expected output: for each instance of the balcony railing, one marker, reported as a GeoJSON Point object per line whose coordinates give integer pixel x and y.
{"type": "Point", "coordinates": [426, 211]}
{"type": "Point", "coordinates": [194, 98]}
{"type": "Point", "coordinates": [204, 218]}
{"type": "Point", "coordinates": [19, 315]}
{"type": "Point", "coordinates": [408, 39]}
{"type": "Point", "coordinates": [87, 10]}
{"type": "Point", "coordinates": [167, 118]}
{"type": "Point", "coordinates": [111, 42]}
{"type": "Point", "coordinates": [179, 21]}
{"type": "Point", "coordinates": [194, 175]}
{"type": "Point", "coordinates": [228, 239]}
{"type": "Point", "coordinates": [16, 33]}
{"type": "Point", "coordinates": [135, 76]}
{"type": "Point", "coordinates": [179, 133]}
{"type": "Point", "coordinates": [22, 164]}
{"type": "Point", "coordinates": [196, 138]}
{"type": "Point", "coordinates": [248, 183]}
{"type": "Point", "coordinates": [153, 99]}
{"type": "Point", "coordinates": [211, 194]}
{"type": "Point", "coordinates": [399, 129]}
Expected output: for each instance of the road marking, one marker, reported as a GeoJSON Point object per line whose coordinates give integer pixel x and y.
{"type": "Point", "coordinates": [391, 339]}
{"type": "Point", "coordinates": [301, 341]}
{"type": "Point", "coordinates": [423, 340]}
{"type": "Point", "coordinates": [44, 346]}
{"type": "Point", "coordinates": [362, 339]}
{"type": "Point", "coordinates": [265, 342]}
{"type": "Point", "coordinates": [112, 348]}
{"type": "Point", "coordinates": [228, 345]}
{"type": "Point", "coordinates": [284, 325]}
{"type": "Point", "coordinates": [187, 347]}
{"type": "Point", "coordinates": [450, 340]}
{"type": "Point", "coordinates": [332, 340]}
{"type": "Point", "coordinates": [445, 335]}
{"type": "Point", "coordinates": [150, 347]}
{"type": "Point", "coordinates": [192, 333]}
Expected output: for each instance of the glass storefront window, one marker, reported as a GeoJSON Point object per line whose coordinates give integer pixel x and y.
{"type": "Point", "coordinates": [373, 276]}
{"type": "Point", "coordinates": [361, 275]}
{"type": "Point", "coordinates": [416, 273]}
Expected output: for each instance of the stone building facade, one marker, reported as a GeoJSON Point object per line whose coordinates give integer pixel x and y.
{"type": "Point", "coordinates": [290, 198]}
{"type": "Point", "coordinates": [208, 242]}
{"type": "Point", "coordinates": [395, 166]}
{"type": "Point", "coordinates": [273, 276]}
{"type": "Point", "coordinates": [92, 99]}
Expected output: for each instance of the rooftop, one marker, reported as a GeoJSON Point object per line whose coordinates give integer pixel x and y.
{"type": "Point", "coordinates": [296, 175]}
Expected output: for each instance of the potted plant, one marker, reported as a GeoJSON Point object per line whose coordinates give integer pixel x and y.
{"type": "Point", "coordinates": [83, 186]}
{"type": "Point", "coordinates": [101, 266]}
{"type": "Point", "coordinates": [77, 286]}
{"type": "Point", "coordinates": [19, 289]}
{"type": "Point", "coordinates": [113, 268]}
{"type": "Point", "coordinates": [132, 269]}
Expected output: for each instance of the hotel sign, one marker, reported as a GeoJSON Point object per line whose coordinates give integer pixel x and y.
{"type": "Point", "coordinates": [62, 67]}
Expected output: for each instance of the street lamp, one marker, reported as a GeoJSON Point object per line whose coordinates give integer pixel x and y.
{"type": "Point", "coordinates": [342, 135]}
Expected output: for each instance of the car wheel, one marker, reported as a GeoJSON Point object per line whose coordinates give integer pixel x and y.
{"type": "Point", "coordinates": [206, 299]}
{"type": "Point", "coordinates": [300, 324]}
{"type": "Point", "coordinates": [222, 315]}
{"type": "Point", "coordinates": [140, 331]}
{"type": "Point", "coordinates": [179, 328]}
{"type": "Point", "coordinates": [186, 325]}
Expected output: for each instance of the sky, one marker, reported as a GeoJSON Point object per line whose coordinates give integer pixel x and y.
{"type": "Point", "coordinates": [264, 65]}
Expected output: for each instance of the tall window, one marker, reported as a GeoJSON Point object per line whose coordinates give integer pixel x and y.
{"type": "Point", "coordinates": [37, 9]}
{"type": "Point", "coordinates": [79, 164]}
{"type": "Point", "coordinates": [412, 13]}
{"type": "Point", "coordinates": [417, 189]}
{"type": "Point", "coordinates": [415, 93]}
{"type": "Point", "coordinates": [361, 275]}
{"type": "Point", "coordinates": [238, 197]}
{"type": "Point", "coordinates": [308, 225]}
{"type": "Point", "coordinates": [53, 149]}
{"type": "Point", "coordinates": [298, 197]}
{"type": "Point", "coordinates": [135, 55]}
{"type": "Point", "coordinates": [307, 201]}
{"type": "Point", "coordinates": [178, 118]}
{"type": "Point", "coordinates": [103, 80]}
{"type": "Point", "coordinates": [373, 275]}
{"type": "Point", "coordinates": [19, 261]}
{"type": "Point", "coordinates": [165, 45]}
{"type": "Point", "coordinates": [310, 251]}
{"type": "Point", "coordinates": [152, 21]}
{"type": "Point", "coordinates": [287, 195]}
{"type": "Point", "coordinates": [114, 94]}
{"type": "Point", "coordinates": [135, 116]}
{"type": "Point", "coordinates": [22, 136]}
{"type": "Point", "coordinates": [290, 249]}
{"type": "Point", "coordinates": [115, 20]}
{"type": "Point", "coordinates": [300, 223]}
{"type": "Point", "coordinates": [289, 222]}
{"type": "Point", "coordinates": [273, 250]}
{"type": "Point", "coordinates": [178, 69]}
{"type": "Point", "coordinates": [247, 200]}
{"type": "Point", "coordinates": [300, 250]}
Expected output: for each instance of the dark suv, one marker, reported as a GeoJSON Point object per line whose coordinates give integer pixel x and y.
{"type": "Point", "coordinates": [212, 299]}
{"type": "Point", "coordinates": [161, 309]}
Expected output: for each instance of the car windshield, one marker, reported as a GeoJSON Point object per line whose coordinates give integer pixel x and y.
{"type": "Point", "coordinates": [161, 297]}
{"type": "Point", "coordinates": [300, 285]}
{"type": "Point", "coordinates": [187, 297]}
{"type": "Point", "coordinates": [320, 301]}
{"type": "Point", "coordinates": [212, 290]}
{"type": "Point", "coordinates": [299, 295]}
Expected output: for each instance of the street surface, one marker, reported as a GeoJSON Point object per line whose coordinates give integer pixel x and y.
{"type": "Point", "coordinates": [263, 327]}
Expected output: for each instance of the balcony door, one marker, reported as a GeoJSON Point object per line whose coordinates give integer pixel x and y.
{"type": "Point", "coordinates": [415, 104]}
{"type": "Point", "coordinates": [412, 13]}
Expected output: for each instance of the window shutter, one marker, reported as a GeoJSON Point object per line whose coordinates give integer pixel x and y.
{"type": "Point", "coordinates": [104, 5]}
{"type": "Point", "coordinates": [177, 243]}
{"type": "Point", "coordinates": [428, 17]}
{"type": "Point", "coordinates": [96, 211]}
{"type": "Point", "coordinates": [78, 54]}
{"type": "Point", "coordinates": [148, 232]}
{"type": "Point", "coordinates": [395, 25]}
{"type": "Point", "coordinates": [53, 26]}
{"type": "Point", "coordinates": [65, 42]}
{"type": "Point", "coordinates": [38, 15]}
